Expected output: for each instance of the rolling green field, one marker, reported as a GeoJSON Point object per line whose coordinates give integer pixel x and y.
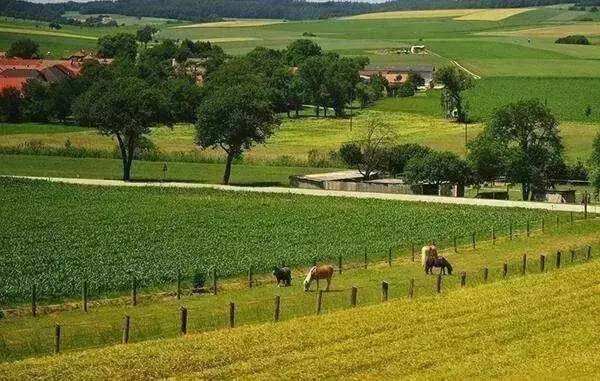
{"type": "Point", "coordinates": [483, 329]}
{"type": "Point", "coordinates": [155, 315]}
{"type": "Point", "coordinates": [110, 235]}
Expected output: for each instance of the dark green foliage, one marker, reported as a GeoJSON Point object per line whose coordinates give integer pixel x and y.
{"type": "Point", "coordinates": [37, 105]}
{"type": "Point", "coordinates": [455, 81]}
{"type": "Point", "coordinates": [350, 154]}
{"type": "Point", "coordinates": [300, 50]}
{"type": "Point", "coordinates": [11, 105]}
{"type": "Point", "coordinates": [437, 168]}
{"type": "Point", "coordinates": [199, 279]}
{"type": "Point", "coordinates": [406, 90]}
{"type": "Point", "coordinates": [121, 45]}
{"type": "Point", "coordinates": [145, 34]}
{"type": "Point", "coordinates": [576, 39]}
{"type": "Point", "coordinates": [24, 48]}
{"type": "Point", "coordinates": [398, 155]}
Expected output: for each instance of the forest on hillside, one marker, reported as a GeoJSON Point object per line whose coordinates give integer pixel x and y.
{"type": "Point", "coordinates": [198, 10]}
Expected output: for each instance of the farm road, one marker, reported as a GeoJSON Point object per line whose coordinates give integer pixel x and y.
{"type": "Point", "coordinates": [319, 192]}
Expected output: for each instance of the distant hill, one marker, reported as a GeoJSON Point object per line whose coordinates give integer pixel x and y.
{"type": "Point", "coordinates": [195, 10]}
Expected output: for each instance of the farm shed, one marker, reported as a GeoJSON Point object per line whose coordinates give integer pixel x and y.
{"type": "Point", "coordinates": [397, 75]}
{"type": "Point", "coordinates": [353, 181]}
{"type": "Point", "coordinates": [556, 196]}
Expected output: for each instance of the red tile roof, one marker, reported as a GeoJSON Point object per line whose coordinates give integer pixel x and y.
{"type": "Point", "coordinates": [16, 83]}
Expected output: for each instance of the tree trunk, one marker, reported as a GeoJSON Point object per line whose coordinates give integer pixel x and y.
{"type": "Point", "coordinates": [525, 191]}
{"type": "Point", "coordinates": [124, 158]}
{"type": "Point", "coordinates": [288, 113]}
{"type": "Point", "coordinates": [127, 168]}
{"type": "Point", "coordinates": [297, 110]}
{"type": "Point", "coordinates": [227, 174]}
{"type": "Point", "coordinates": [317, 110]}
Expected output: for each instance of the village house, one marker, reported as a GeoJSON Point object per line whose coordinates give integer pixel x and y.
{"type": "Point", "coordinates": [15, 72]}
{"type": "Point", "coordinates": [398, 75]}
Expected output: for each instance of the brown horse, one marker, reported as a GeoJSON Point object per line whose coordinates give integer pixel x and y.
{"type": "Point", "coordinates": [316, 273]}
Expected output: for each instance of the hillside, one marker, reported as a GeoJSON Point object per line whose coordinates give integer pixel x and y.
{"type": "Point", "coordinates": [537, 326]}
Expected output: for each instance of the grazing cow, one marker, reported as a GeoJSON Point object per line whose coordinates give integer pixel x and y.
{"type": "Point", "coordinates": [440, 262]}
{"type": "Point", "coordinates": [283, 275]}
{"type": "Point", "coordinates": [316, 273]}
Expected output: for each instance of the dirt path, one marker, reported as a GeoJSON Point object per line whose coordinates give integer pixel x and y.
{"type": "Point", "coordinates": [327, 193]}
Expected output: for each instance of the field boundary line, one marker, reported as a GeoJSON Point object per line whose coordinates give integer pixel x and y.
{"type": "Point", "coordinates": [592, 209]}
{"type": "Point", "coordinates": [461, 67]}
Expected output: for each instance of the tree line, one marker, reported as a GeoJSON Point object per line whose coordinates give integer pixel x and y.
{"type": "Point", "coordinates": [199, 10]}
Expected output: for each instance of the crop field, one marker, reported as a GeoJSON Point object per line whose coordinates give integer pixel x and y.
{"type": "Point", "coordinates": [232, 23]}
{"type": "Point", "coordinates": [155, 315]}
{"type": "Point", "coordinates": [110, 235]}
{"type": "Point", "coordinates": [510, 328]}
{"type": "Point", "coordinates": [493, 14]}
{"type": "Point", "coordinates": [428, 14]}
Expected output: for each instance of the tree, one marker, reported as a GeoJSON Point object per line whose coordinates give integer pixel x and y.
{"type": "Point", "coordinates": [234, 116]}
{"type": "Point", "coordinates": [398, 155]}
{"type": "Point", "coordinates": [532, 149]}
{"type": "Point", "coordinates": [121, 45]}
{"type": "Point", "coordinates": [312, 75]}
{"type": "Point", "coordinates": [36, 101]}
{"type": "Point", "coordinates": [372, 146]}
{"type": "Point", "coordinates": [300, 50]}
{"type": "Point", "coordinates": [24, 48]}
{"type": "Point", "coordinates": [437, 168]}
{"type": "Point", "coordinates": [126, 108]}
{"type": "Point", "coordinates": [487, 158]}
{"type": "Point", "coordinates": [455, 81]}
{"type": "Point", "coordinates": [184, 98]}
{"type": "Point", "coordinates": [406, 90]}
{"type": "Point", "coordinates": [10, 105]}
{"type": "Point", "coordinates": [145, 34]}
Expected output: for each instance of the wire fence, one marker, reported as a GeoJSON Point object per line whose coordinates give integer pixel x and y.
{"type": "Point", "coordinates": [137, 326]}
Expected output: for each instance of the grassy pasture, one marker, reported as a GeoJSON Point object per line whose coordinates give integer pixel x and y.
{"type": "Point", "coordinates": [108, 235]}
{"type": "Point", "coordinates": [232, 23]}
{"type": "Point", "coordinates": [518, 314]}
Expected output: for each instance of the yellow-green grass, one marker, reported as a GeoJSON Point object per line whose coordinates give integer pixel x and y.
{"type": "Point", "coordinates": [237, 23]}
{"type": "Point", "coordinates": [156, 316]}
{"type": "Point", "coordinates": [537, 326]}
{"type": "Point", "coordinates": [493, 14]}
{"type": "Point", "coordinates": [45, 33]}
{"type": "Point", "coordinates": [126, 20]}
{"type": "Point", "coordinates": [54, 166]}
{"type": "Point", "coordinates": [437, 13]}
{"type": "Point", "coordinates": [587, 28]}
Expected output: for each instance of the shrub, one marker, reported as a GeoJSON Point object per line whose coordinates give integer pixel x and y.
{"type": "Point", "coordinates": [350, 154]}
{"type": "Point", "coordinates": [406, 90]}
{"type": "Point", "coordinates": [398, 155]}
{"type": "Point", "coordinates": [575, 39]}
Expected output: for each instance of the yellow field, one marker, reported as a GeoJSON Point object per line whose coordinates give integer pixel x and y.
{"type": "Point", "coordinates": [532, 327]}
{"type": "Point", "coordinates": [587, 29]}
{"type": "Point", "coordinates": [493, 14]}
{"type": "Point", "coordinates": [45, 33]}
{"type": "Point", "coordinates": [232, 24]}
{"type": "Point", "coordinates": [414, 14]}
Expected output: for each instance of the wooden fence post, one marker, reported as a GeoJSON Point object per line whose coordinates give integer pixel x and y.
{"type": "Point", "coordinates": [542, 263]}
{"type": "Point", "coordinates": [589, 253]}
{"type": "Point", "coordinates": [473, 240]}
{"type": "Point", "coordinates": [134, 290]}
{"type": "Point", "coordinates": [277, 310]}
{"type": "Point", "coordinates": [215, 289]}
{"type": "Point", "coordinates": [34, 300]}
{"type": "Point", "coordinates": [384, 291]}
{"type": "Point", "coordinates": [319, 302]}
{"type": "Point", "coordinates": [504, 270]}
{"type": "Point", "coordinates": [493, 236]}
{"type": "Point", "coordinates": [413, 252]}
{"type": "Point", "coordinates": [340, 264]}
{"type": "Point", "coordinates": [455, 245]}
{"type": "Point", "coordinates": [57, 336]}
{"type": "Point", "coordinates": [527, 227]}
{"type": "Point", "coordinates": [438, 283]}
{"type": "Point", "coordinates": [558, 255]}
{"type": "Point", "coordinates": [353, 296]}
{"type": "Point", "coordinates": [178, 284]}
{"type": "Point", "coordinates": [250, 277]}
{"type": "Point", "coordinates": [543, 225]}
{"type": "Point", "coordinates": [510, 230]}
{"type": "Point", "coordinates": [366, 260]}
{"type": "Point", "coordinates": [486, 272]}
{"type": "Point", "coordinates": [126, 327]}
{"type": "Point", "coordinates": [183, 320]}
{"type": "Point", "coordinates": [557, 221]}
{"type": "Point", "coordinates": [571, 218]}
{"type": "Point", "coordinates": [524, 264]}
{"type": "Point", "coordinates": [231, 314]}
{"type": "Point", "coordinates": [411, 288]}
{"type": "Point", "coordinates": [463, 279]}
{"type": "Point", "coordinates": [390, 257]}
{"type": "Point", "coordinates": [84, 296]}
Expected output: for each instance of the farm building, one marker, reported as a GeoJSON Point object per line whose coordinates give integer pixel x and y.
{"type": "Point", "coordinates": [398, 75]}
{"type": "Point", "coordinates": [15, 72]}
{"type": "Point", "coordinates": [353, 181]}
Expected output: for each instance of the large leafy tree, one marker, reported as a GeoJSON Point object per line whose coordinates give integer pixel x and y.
{"type": "Point", "coordinates": [525, 138]}
{"type": "Point", "coordinates": [125, 108]}
{"type": "Point", "coordinates": [455, 81]}
{"type": "Point", "coordinates": [36, 101]}
{"type": "Point", "coordinates": [23, 48]}
{"type": "Point", "coordinates": [437, 168]}
{"type": "Point", "coordinates": [11, 105]}
{"type": "Point", "coordinates": [300, 50]}
{"type": "Point", "coordinates": [121, 45]}
{"type": "Point", "coordinates": [235, 113]}
{"type": "Point", "coordinates": [145, 34]}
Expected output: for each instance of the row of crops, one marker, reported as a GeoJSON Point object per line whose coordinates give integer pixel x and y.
{"type": "Point", "coordinates": [57, 236]}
